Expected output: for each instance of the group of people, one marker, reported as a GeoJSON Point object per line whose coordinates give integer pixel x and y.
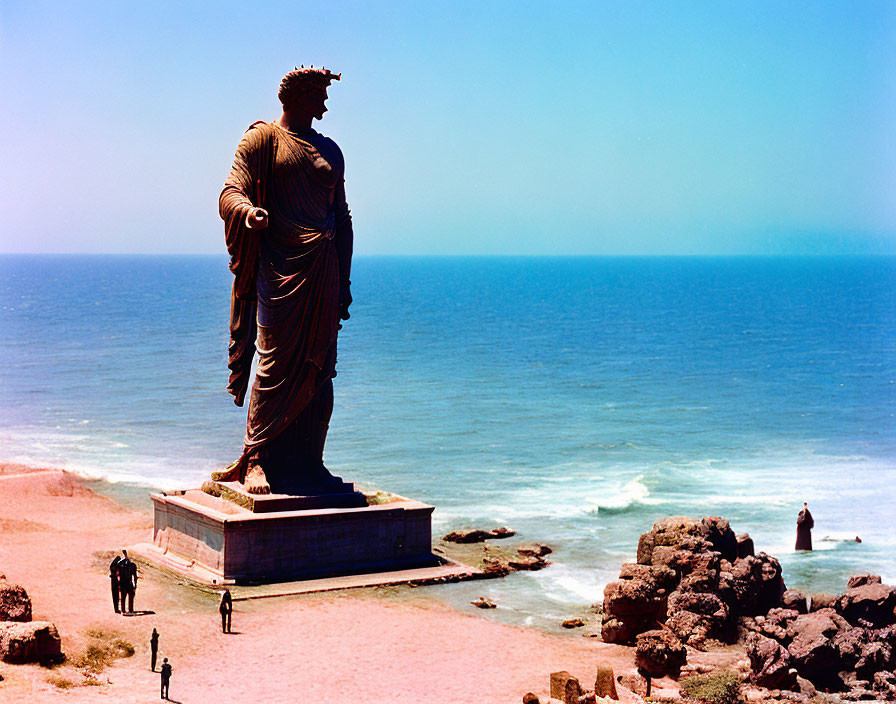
{"type": "Point", "coordinates": [123, 578]}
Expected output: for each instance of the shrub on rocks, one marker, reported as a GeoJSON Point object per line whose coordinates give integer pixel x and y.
{"type": "Point", "coordinates": [659, 653]}
{"type": "Point", "coordinates": [722, 687]}
{"type": "Point", "coordinates": [15, 605]}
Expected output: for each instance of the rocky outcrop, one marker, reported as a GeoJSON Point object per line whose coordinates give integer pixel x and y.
{"type": "Point", "coordinates": [695, 581]}
{"type": "Point", "coordinates": [851, 647]}
{"type": "Point", "coordinates": [34, 641]}
{"type": "Point", "coordinates": [869, 603]}
{"type": "Point", "coordinates": [697, 577]}
{"type": "Point", "coordinates": [15, 605]}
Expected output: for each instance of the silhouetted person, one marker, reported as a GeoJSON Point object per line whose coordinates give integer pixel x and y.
{"type": "Point", "coordinates": [115, 583]}
{"type": "Point", "coordinates": [166, 677]}
{"type": "Point", "coordinates": [127, 575]}
{"type": "Point", "coordinates": [804, 525]}
{"type": "Point", "coordinates": [153, 649]}
{"type": "Point", "coordinates": [225, 607]}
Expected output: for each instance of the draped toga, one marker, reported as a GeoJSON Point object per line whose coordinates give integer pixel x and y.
{"type": "Point", "coordinates": [290, 278]}
{"type": "Point", "coordinates": [804, 526]}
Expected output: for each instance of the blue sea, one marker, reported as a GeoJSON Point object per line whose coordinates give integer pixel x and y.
{"type": "Point", "coordinates": [576, 400]}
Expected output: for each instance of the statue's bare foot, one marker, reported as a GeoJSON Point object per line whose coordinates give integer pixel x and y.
{"type": "Point", "coordinates": [230, 474]}
{"type": "Point", "coordinates": [256, 482]}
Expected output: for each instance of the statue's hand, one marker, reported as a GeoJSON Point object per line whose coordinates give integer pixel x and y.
{"type": "Point", "coordinates": [257, 219]}
{"type": "Point", "coordinates": [345, 300]}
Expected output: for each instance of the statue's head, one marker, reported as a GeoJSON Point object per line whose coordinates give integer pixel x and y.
{"type": "Point", "coordinates": [305, 90]}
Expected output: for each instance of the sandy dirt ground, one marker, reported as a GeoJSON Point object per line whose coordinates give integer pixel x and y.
{"type": "Point", "coordinates": [56, 540]}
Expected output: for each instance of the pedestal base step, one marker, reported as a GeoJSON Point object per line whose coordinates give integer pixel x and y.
{"type": "Point", "coordinates": [345, 496]}
{"type": "Point", "coordinates": [231, 543]}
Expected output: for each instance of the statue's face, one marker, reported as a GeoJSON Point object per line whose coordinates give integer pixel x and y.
{"type": "Point", "coordinates": [318, 102]}
{"type": "Point", "coordinates": [313, 103]}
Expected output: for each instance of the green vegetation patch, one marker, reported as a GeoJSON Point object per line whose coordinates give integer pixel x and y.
{"type": "Point", "coordinates": [719, 687]}
{"type": "Point", "coordinates": [60, 682]}
{"type": "Point", "coordinates": [104, 648]}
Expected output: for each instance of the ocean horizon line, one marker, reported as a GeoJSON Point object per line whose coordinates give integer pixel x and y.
{"type": "Point", "coordinates": [360, 255]}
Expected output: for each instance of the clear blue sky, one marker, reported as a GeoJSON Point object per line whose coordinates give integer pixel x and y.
{"type": "Point", "coordinates": [494, 128]}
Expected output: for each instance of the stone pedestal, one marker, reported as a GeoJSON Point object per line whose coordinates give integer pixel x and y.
{"type": "Point", "coordinates": [289, 538]}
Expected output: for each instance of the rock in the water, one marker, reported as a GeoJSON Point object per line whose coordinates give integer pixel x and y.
{"type": "Point", "coordinates": [860, 580]}
{"type": "Point", "coordinates": [770, 664]}
{"type": "Point", "coordinates": [33, 641]}
{"type": "Point", "coordinates": [503, 532]}
{"type": "Point", "coordinates": [15, 605]}
{"type": "Point", "coordinates": [484, 603]}
{"type": "Point", "coordinates": [530, 698]}
{"type": "Point", "coordinates": [873, 603]}
{"type": "Point", "coordinates": [530, 564]}
{"type": "Point", "coordinates": [605, 683]}
{"type": "Point", "coordinates": [573, 623]}
{"type": "Point", "coordinates": [466, 535]}
{"type": "Point", "coordinates": [796, 600]}
{"type": "Point", "coordinates": [534, 550]}
{"type": "Point", "coordinates": [659, 653]}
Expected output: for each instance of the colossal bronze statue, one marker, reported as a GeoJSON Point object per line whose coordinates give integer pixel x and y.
{"type": "Point", "coordinates": [289, 235]}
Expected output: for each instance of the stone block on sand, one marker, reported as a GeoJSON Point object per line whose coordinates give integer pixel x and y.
{"type": "Point", "coordinates": [35, 641]}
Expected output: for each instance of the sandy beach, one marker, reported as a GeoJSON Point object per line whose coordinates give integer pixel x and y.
{"type": "Point", "coordinates": [347, 646]}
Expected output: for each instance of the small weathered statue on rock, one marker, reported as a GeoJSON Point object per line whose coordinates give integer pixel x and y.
{"type": "Point", "coordinates": [289, 235]}
{"type": "Point", "coordinates": [804, 526]}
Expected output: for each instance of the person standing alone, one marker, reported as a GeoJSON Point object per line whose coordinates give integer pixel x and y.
{"type": "Point", "coordinates": [153, 649]}
{"type": "Point", "coordinates": [225, 608]}
{"type": "Point", "coordinates": [166, 677]}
